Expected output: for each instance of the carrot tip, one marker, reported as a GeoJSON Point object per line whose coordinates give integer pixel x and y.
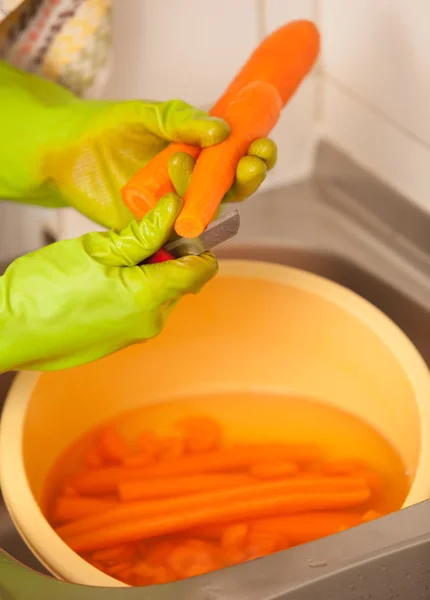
{"type": "Point", "coordinates": [189, 226]}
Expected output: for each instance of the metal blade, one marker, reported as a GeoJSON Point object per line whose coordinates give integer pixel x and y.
{"type": "Point", "coordinates": [219, 231]}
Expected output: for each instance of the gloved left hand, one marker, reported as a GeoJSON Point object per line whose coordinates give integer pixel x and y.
{"type": "Point", "coordinates": [79, 300]}
{"type": "Point", "coordinates": [57, 150]}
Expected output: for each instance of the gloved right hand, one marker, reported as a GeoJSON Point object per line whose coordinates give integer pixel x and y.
{"type": "Point", "coordinates": [79, 300]}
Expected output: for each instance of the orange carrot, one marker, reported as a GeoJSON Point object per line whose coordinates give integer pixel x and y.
{"type": "Point", "coordinates": [148, 443]}
{"type": "Point", "coordinates": [192, 558]}
{"type": "Point", "coordinates": [202, 434]}
{"type": "Point", "coordinates": [112, 447]}
{"type": "Point", "coordinates": [105, 480]}
{"type": "Point", "coordinates": [273, 470]}
{"type": "Point", "coordinates": [139, 510]}
{"type": "Point", "coordinates": [282, 60]}
{"type": "Point", "coordinates": [252, 114]}
{"type": "Point", "coordinates": [178, 486]}
{"type": "Point", "coordinates": [306, 527]}
{"type": "Point", "coordinates": [262, 543]}
{"type": "Point", "coordinates": [148, 185]}
{"type": "Point", "coordinates": [243, 509]}
{"type": "Point", "coordinates": [139, 459]}
{"type": "Point", "coordinates": [72, 508]}
{"type": "Point", "coordinates": [171, 447]}
{"type": "Point", "coordinates": [234, 536]}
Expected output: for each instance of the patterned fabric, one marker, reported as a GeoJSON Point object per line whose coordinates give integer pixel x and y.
{"type": "Point", "coordinates": [67, 41]}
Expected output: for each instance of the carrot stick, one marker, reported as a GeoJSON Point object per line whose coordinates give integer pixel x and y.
{"type": "Point", "coordinates": [306, 527]}
{"type": "Point", "coordinates": [72, 508]}
{"type": "Point", "coordinates": [137, 510]}
{"type": "Point", "coordinates": [283, 59]}
{"type": "Point", "coordinates": [243, 509]}
{"type": "Point", "coordinates": [252, 114]}
{"type": "Point", "coordinates": [178, 486]}
{"type": "Point", "coordinates": [112, 447]}
{"type": "Point", "coordinates": [105, 480]}
{"type": "Point", "coordinates": [273, 470]}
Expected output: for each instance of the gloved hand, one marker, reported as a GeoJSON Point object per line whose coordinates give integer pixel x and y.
{"type": "Point", "coordinates": [78, 300]}
{"type": "Point", "coordinates": [57, 150]}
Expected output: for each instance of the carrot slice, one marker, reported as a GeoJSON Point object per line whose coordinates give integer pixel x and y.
{"type": "Point", "coordinates": [105, 480]}
{"type": "Point", "coordinates": [171, 448]}
{"type": "Point", "coordinates": [202, 434]}
{"type": "Point", "coordinates": [178, 486]}
{"type": "Point", "coordinates": [72, 508]}
{"type": "Point", "coordinates": [235, 535]}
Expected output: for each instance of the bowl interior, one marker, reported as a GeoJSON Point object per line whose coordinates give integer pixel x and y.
{"type": "Point", "coordinates": [255, 327]}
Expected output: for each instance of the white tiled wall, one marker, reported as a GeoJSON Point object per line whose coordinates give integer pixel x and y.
{"type": "Point", "coordinates": [376, 87]}
{"type": "Point", "coordinates": [191, 49]}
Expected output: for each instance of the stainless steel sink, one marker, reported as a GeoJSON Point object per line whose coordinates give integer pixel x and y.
{"type": "Point", "coordinates": [332, 225]}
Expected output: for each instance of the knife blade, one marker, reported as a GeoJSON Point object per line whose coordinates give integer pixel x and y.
{"type": "Point", "coordinates": [219, 231]}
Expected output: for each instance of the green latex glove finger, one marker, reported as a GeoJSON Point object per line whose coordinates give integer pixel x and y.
{"type": "Point", "coordinates": [57, 150]}
{"type": "Point", "coordinates": [79, 300]}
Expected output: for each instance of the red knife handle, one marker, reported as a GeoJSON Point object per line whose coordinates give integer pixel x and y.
{"type": "Point", "coordinates": [160, 256]}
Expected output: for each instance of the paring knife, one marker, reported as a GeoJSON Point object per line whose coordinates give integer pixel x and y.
{"type": "Point", "coordinates": [219, 231]}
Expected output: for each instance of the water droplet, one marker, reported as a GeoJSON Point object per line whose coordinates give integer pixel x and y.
{"type": "Point", "coordinates": [315, 564]}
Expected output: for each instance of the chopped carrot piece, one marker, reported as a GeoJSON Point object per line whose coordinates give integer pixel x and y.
{"type": "Point", "coordinates": [234, 536]}
{"type": "Point", "coordinates": [138, 459]}
{"type": "Point", "coordinates": [70, 491]}
{"type": "Point", "coordinates": [148, 443]}
{"type": "Point", "coordinates": [202, 434]}
{"type": "Point", "coordinates": [171, 448]}
{"type": "Point", "coordinates": [92, 459]}
{"type": "Point", "coordinates": [112, 446]}
{"type": "Point", "coordinates": [370, 515]}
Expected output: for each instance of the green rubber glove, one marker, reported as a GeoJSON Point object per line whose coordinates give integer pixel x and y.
{"type": "Point", "coordinates": [79, 300]}
{"type": "Point", "coordinates": [57, 150]}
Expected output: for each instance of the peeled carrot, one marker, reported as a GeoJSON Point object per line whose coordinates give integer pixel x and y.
{"type": "Point", "coordinates": [282, 60]}
{"type": "Point", "coordinates": [273, 470]}
{"type": "Point", "coordinates": [244, 509]}
{"type": "Point", "coordinates": [105, 480]}
{"type": "Point", "coordinates": [137, 510]}
{"type": "Point", "coordinates": [178, 486]}
{"type": "Point", "coordinates": [252, 114]}
{"type": "Point", "coordinates": [72, 508]}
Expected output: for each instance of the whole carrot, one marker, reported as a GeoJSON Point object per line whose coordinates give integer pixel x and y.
{"type": "Point", "coordinates": [135, 510]}
{"type": "Point", "coordinates": [105, 480]}
{"type": "Point", "coordinates": [178, 486]}
{"type": "Point", "coordinates": [283, 59]}
{"type": "Point", "coordinates": [244, 509]}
